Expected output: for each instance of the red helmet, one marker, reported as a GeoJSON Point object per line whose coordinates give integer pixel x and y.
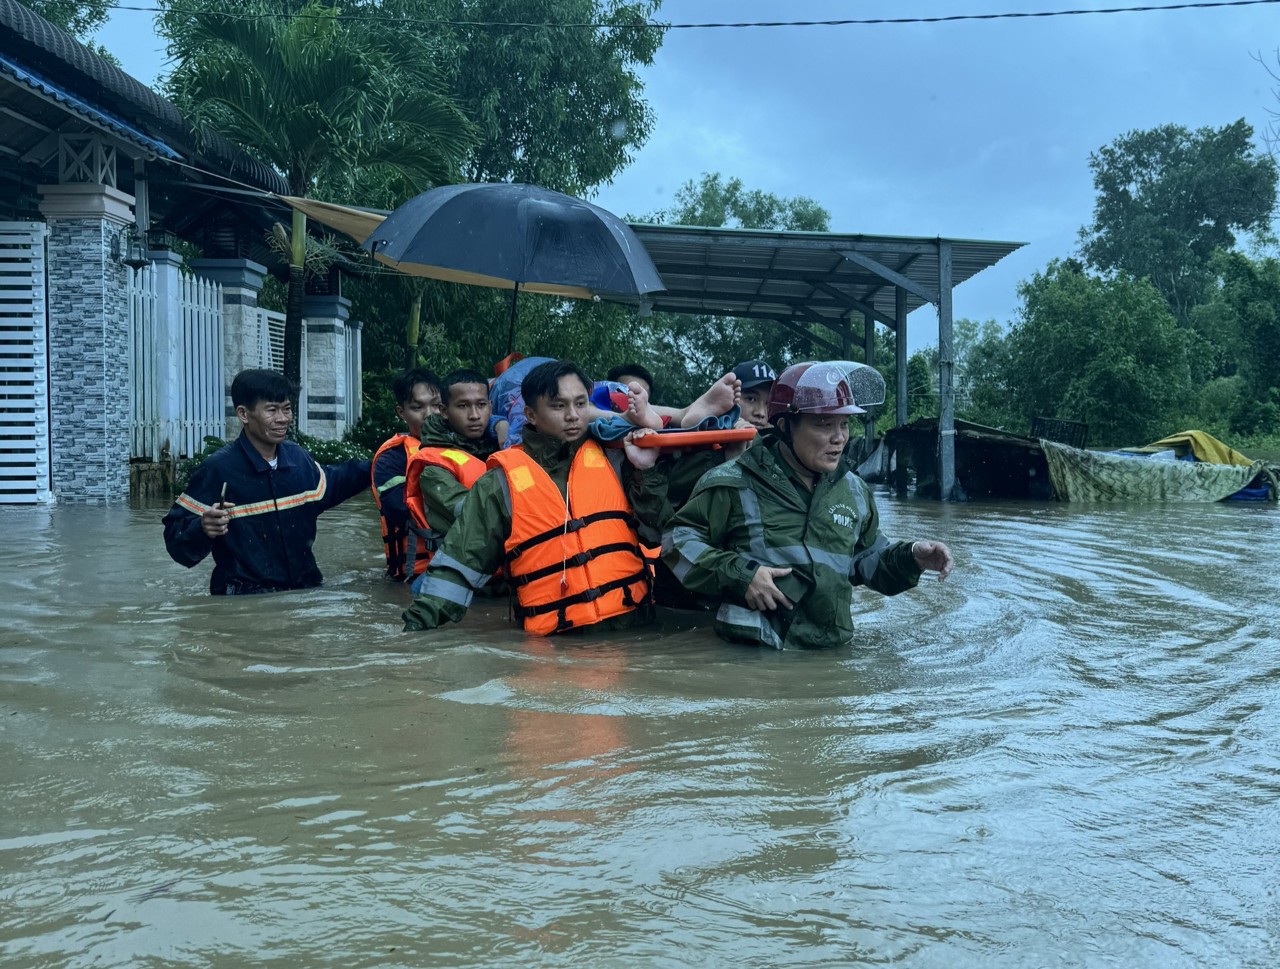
{"type": "Point", "coordinates": [812, 388]}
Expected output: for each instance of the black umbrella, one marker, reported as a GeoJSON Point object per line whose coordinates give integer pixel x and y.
{"type": "Point", "coordinates": [516, 237]}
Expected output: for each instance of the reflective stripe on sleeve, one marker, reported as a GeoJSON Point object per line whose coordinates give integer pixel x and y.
{"type": "Point", "coordinates": [285, 503]}
{"type": "Point", "coordinates": [689, 544]}
{"type": "Point", "coordinates": [475, 579]}
{"type": "Point", "coordinates": [438, 588]}
{"type": "Point", "coordinates": [391, 483]}
{"type": "Point", "coordinates": [191, 505]}
{"type": "Point", "coordinates": [864, 565]}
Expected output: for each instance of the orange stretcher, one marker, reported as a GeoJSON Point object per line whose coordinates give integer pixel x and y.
{"type": "Point", "coordinates": [674, 438]}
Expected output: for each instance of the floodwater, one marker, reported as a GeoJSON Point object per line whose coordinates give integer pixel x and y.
{"type": "Point", "coordinates": [1068, 754]}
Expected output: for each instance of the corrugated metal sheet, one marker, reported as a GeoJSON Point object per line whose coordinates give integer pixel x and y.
{"type": "Point", "coordinates": [797, 275]}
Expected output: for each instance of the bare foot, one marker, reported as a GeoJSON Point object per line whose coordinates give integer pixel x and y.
{"type": "Point", "coordinates": [639, 412]}
{"type": "Point", "coordinates": [719, 399]}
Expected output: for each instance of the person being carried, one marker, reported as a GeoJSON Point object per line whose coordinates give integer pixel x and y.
{"type": "Point", "coordinates": [255, 502]}
{"type": "Point", "coordinates": [606, 400]}
{"type": "Point", "coordinates": [783, 534]}
{"type": "Point", "coordinates": [454, 446]}
{"type": "Point", "coordinates": [417, 394]}
{"type": "Point", "coordinates": [566, 525]}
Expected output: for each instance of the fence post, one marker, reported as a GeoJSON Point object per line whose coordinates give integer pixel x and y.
{"type": "Point", "coordinates": [166, 270]}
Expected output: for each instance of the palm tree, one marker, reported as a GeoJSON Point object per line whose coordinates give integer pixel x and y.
{"type": "Point", "coordinates": [314, 96]}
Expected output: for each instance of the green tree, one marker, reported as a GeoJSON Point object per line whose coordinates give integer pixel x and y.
{"type": "Point", "coordinates": [922, 384]}
{"type": "Point", "coordinates": [982, 373]}
{"type": "Point", "coordinates": [1104, 351]}
{"type": "Point", "coordinates": [1246, 303]}
{"type": "Point", "coordinates": [314, 96]}
{"type": "Point", "coordinates": [79, 18]}
{"type": "Point", "coordinates": [1169, 198]}
{"type": "Point", "coordinates": [713, 201]}
{"type": "Point", "coordinates": [691, 350]}
{"type": "Point", "coordinates": [560, 107]}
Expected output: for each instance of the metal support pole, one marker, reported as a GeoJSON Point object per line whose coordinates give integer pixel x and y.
{"type": "Point", "coordinates": [900, 353]}
{"type": "Point", "coordinates": [869, 358]}
{"type": "Point", "coordinates": [946, 378]}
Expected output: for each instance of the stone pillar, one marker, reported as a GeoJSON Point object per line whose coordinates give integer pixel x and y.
{"type": "Point", "coordinates": [89, 387]}
{"type": "Point", "coordinates": [245, 338]}
{"type": "Point", "coordinates": [325, 318]}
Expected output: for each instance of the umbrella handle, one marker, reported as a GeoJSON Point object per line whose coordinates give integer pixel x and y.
{"type": "Point", "coordinates": [511, 326]}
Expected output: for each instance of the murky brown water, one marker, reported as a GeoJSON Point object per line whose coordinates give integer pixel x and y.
{"type": "Point", "coordinates": [1066, 755]}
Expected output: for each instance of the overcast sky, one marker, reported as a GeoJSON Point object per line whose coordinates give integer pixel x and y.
{"type": "Point", "coordinates": [975, 130]}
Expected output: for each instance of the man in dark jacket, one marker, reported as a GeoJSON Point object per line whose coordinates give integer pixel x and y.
{"type": "Point", "coordinates": [254, 503]}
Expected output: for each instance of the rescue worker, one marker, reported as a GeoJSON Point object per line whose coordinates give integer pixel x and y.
{"type": "Point", "coordinates": [556, 514]}
{"type": "Point", "coordinates": [450, 458]}
{"type": "Point", "coordinates": [782, 534]}
{"type": "Point", "coordinates": [417, 394]}
{"type": "Point", "coordinates": [255, 502]}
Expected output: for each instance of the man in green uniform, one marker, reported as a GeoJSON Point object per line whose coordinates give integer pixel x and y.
{"type": "Point", "coordinates": [782, 534]}
{"type": "Point", "coordinates": [556, 396]}
{"type": "Point", "coordinates": [462, 427]}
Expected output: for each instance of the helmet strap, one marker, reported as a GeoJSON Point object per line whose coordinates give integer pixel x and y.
{"type": "Point", "coordinates": [784, 435]}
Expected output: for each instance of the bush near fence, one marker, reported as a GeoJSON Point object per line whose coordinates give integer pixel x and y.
{"type": "Point", "coordinates": [325, 452]}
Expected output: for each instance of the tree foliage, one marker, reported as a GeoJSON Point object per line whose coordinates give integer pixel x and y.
{"type": "Point", "coordinates": [691, 350]}
{"type": "Point", "coordinates": [1104, 351]}
{"type": "Point", "coordinates": [316, 97]}
{"type": "Point", "coordinates": [79, 18]}
{"type": "Point", "coordinates": [1246, 305]}
{"type": "Point", "coordinates": [553, 106]}
{"type": "Point", "coordinates": [716, 202]}
{"type": "Point", "coordinates": [1169, 198]}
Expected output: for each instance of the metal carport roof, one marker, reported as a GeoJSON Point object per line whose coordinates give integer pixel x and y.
{"type": "Point", "coordinates": [830, 279]}
{"type": "Point", "coordinates": [806, 277]}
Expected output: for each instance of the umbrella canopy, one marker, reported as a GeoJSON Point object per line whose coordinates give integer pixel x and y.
{"type": "Point", "coordinates": [513, 236]}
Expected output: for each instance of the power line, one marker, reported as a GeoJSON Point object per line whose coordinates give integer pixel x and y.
{"type": "Point", "coordinates": [657, 25]}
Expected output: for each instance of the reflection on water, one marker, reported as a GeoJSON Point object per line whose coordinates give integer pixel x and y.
{"type": "Point", "coordinates": [1064, 755]}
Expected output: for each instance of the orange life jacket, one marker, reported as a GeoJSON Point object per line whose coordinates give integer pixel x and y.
{"type": "Point", "coordinates": [463, 466]}
{"type": "Point", "coordinates": [395, 538]}
{"type": "Point", "coordinates": [572, 562]}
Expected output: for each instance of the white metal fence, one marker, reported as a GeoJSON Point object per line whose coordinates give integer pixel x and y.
{"type": "Point", "coordinates": [149, 432]}
{"type": "Point", "coordinates": [203, 382]}
{"type": "Point", "coordinates": [24, 365]}
{"type": "Point", "coordinates": [177, 383]}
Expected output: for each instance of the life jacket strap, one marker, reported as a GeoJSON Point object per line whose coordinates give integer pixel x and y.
{"type": "Point", "coordinates": [572, 525]}
{"type": "Point", "coordinates": [575, 561]}
{"type": "Point", "coordinates": [589, 595]}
